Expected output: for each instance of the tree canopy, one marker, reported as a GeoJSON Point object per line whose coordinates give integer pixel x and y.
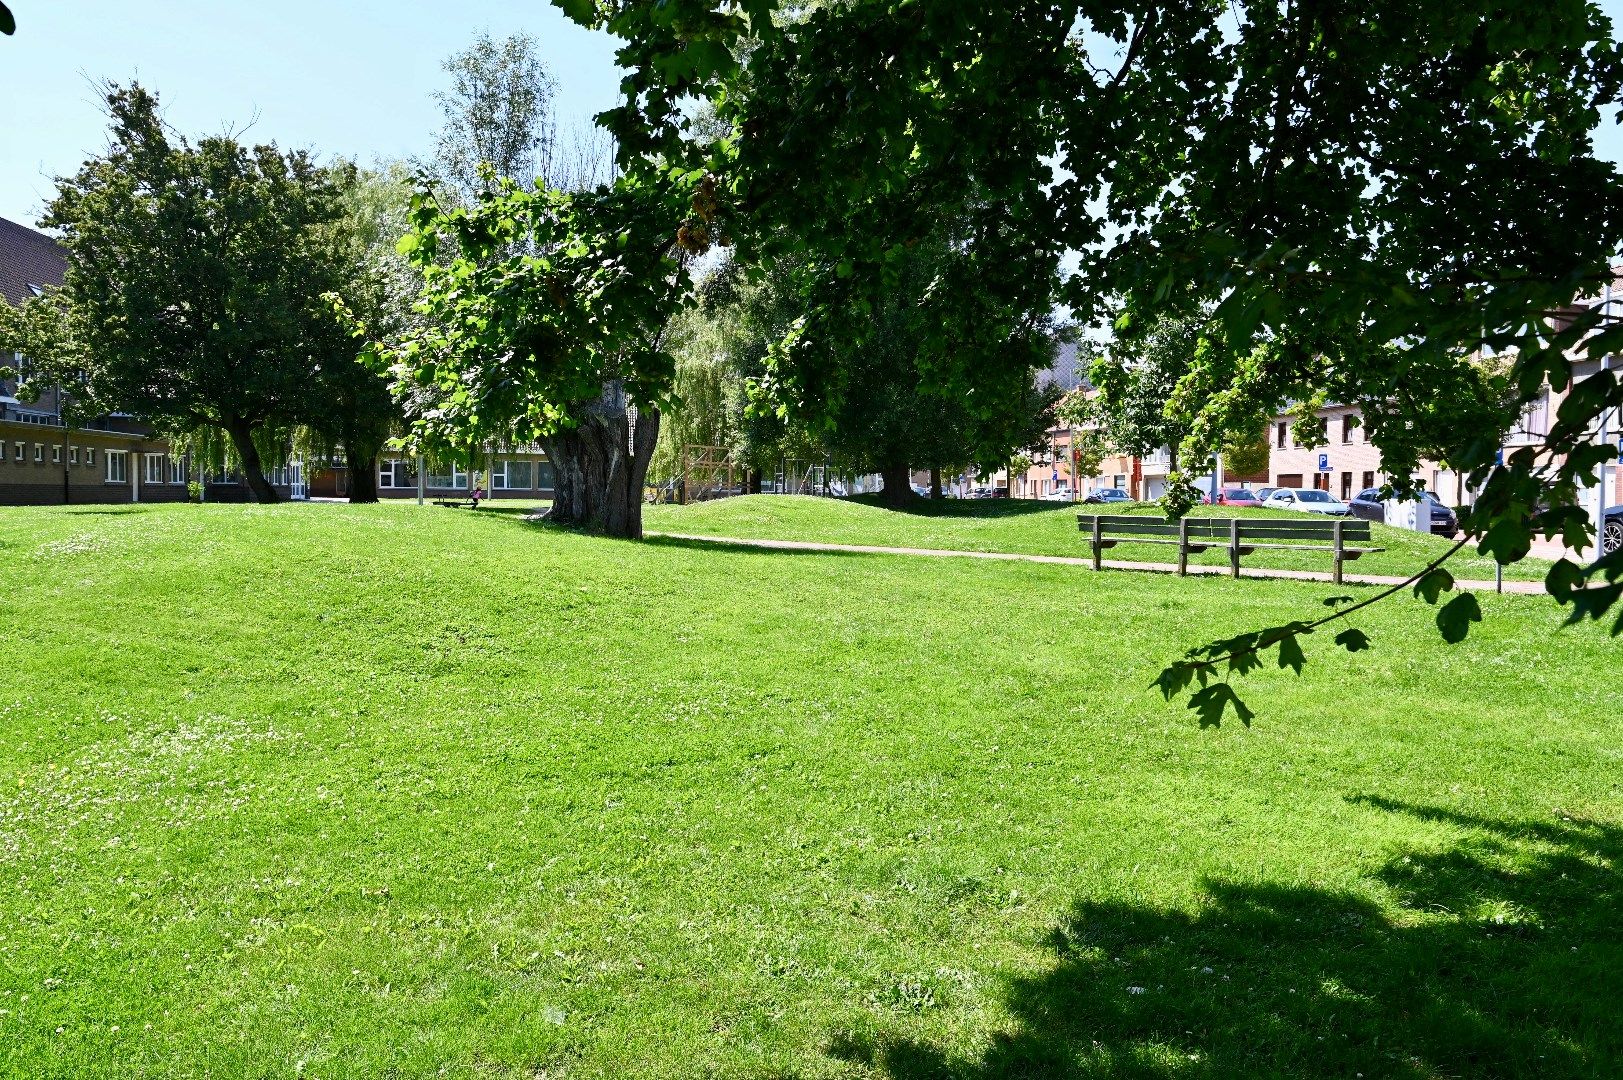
{"type": "Point", "coordinates": [1363, 197]}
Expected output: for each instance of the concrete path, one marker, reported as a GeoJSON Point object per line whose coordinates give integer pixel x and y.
{"type": "Point", "coordinates": [1525, 587]}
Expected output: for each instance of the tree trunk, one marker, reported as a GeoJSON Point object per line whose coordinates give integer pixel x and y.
{"type": "Point", "coordinates": [935, 482]}
{"type": "Point", "coordinates": [600, 464]}
{"type": "Point", "coordinates": [242, 438]}
{"type": "Point", "coordinates": [363, 478]}
{"type": "Point", "coordinates": [752, 482]}
{"type": "Point", "coordinates": [361, 452]}
{"type": "Point", "coordinates": [898, 485]}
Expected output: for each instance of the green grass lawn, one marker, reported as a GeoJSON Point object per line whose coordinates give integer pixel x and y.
{"type": "Point", "coordinates": [331, 791]}
{"type": "Point", "coordinates": [1029, 527]}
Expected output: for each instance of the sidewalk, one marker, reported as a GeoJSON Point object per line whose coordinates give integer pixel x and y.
{"type": "Point", "coordinates": [1532, 588]}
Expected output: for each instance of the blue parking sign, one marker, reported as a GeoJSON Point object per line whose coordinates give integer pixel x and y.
{"type": "Point", "coordinates": [1324, 462]}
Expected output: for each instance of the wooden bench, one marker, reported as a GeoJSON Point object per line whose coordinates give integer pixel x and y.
{"type": "Point", "coordinates": [1240, 536]}
{"type": "Point", "coordinates": [458, 504]}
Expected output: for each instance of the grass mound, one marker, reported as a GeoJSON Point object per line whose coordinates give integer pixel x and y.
{"type": "Point", "coordinates": [1029, 527]}
{"type": "Point", "coordinates": [382, 791]}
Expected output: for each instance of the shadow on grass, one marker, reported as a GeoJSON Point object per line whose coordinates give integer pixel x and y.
{"type": "Point", "coordinates": [963, 508]}
{"type": "Point", "coordinates": [735, 548]}
{"type": "Point", "coordinates": [1499, 956]}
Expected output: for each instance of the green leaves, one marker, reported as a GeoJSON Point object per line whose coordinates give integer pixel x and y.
{"type": "Point", "coordinates": [8, 25]}
{"type": "Point", "coordinates": [1433, 584]}
{"type": "Point", "coordinates": [580, 11]}
{"type": "Point", "coordinates": [1455, 618]}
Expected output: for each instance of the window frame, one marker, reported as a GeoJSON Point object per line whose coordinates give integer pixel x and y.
{"type": "Point", "coordinates": [120, 458]}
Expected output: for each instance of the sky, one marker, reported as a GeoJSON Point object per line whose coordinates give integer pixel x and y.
{"type": "Point", "coordinates": [350, 77]}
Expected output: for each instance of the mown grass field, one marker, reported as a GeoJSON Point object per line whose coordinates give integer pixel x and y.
{"type": "Point", "coordinates": [1029, 527]}
{"type": "Point", "coordinates": [324, 791]}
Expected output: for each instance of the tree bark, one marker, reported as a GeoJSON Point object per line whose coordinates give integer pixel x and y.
{"type": "Point", "coordinates": [752, 482]}
{"type": "Point", "coordinates": [935, 482]}
{"type": "Point", "coordinates": [898, 485]}
{"type": "Point", "coordinates": [253, 472]}
{"type": "Point", "coordinates": [600, 465]}
{"type": "Point", "coordinates": [361, 452]}
{"type": "Point", "coordinates": [363, 478]}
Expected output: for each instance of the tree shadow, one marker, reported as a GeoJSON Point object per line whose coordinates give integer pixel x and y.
{"type": "Point", "coordinates": [729, 547]}
{"type": "Point", "coordinates": [965, 508]}
{"type": "Point", "coordinates": [1501, 955]}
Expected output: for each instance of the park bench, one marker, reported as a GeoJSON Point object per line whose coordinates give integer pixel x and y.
{"type": "Point", "coordinates": [458, 504]}
{"type": "Point", "coordinates": [1240, 536]}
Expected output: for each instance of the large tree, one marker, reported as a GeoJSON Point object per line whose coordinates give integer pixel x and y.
{"type": "Point", "coordinates": [195, 275]}
{"type": "Point", "coordinates": [375, 288]}
{"type": "Point", "coordinates": [548, 324]}
{"type": "Point", "coordinates": [1362, 195]}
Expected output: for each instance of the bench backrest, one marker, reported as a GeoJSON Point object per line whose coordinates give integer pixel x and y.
{"type": "Point", "coordinates": [1210, 528]}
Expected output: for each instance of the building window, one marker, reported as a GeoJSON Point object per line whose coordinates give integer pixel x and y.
{"type": "Point", "coordinates": [73, 455]}
{"type": "Point", "coordinates": [1289, 480]}
{"type": "Point", "coordinates": [1346, 486]}
{"type": "Point", "coordinates": [152, 470]}
{"type": "Point", "coordinates": [39, 453]}
{"type": "Point", "coordinates": [1324, 431]}
{"type": "Point", "coordinates": [1281, 432]}
{"type": "Point", "coordinates": [56, 455]}
{"type": "Point", "coordinates": [90, 457]}
{"type": "Point", "coordinates": [117, 467]}
{"type": "Point", "coordinates": [508, 475]}
{"type": "Point", "coordinates": [395, 473]}
{"type": "Point", "coordinates": [177, 471]}
{"type": "Point", "coordinates": [543, 475]}
{"type": "Point", "coordinates": [17, 452]}
{"type": "Point", "coordinates": [459, 478]}
{"type": "Point", "coordinates": [1347, 428]}
{"type": "Point", "coordinates": [1369, 479]}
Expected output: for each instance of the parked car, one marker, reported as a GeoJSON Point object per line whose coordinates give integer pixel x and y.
{"type": "Point", "coordinates": [1239, 497]}
{"type": "Point", "coordinates": [1108, 495]}
{"type": "Point", "coordinates": [1612, 530]}
{"type": "Point", "coordinates": [1307, 501]}
{"type": "Point", "coordinates": [1262, 493]}
{"type": "Point", "coordinates": [1060, 494]}
{"type": "Point", "coordinates": [1368, 505]}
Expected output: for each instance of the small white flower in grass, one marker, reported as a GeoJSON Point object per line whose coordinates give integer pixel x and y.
{"type": "Point", "coordinates": [1135, 989]}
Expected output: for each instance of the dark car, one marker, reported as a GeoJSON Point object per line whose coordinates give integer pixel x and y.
{"type": "Point", "coordinates": [1239, 497]}
{"type": "Point", "coordinates": [1612, 530]}
{"type": "Point", "coordinates": [1108, 495]}
{"type": "Point", "coordinates": [1369, 505]}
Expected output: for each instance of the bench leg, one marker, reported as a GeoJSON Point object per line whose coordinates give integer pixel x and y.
{"type": "Point", "coordinates": [1098, 544]}
{"type": "Point", "coordinates": [1340, 556]}
{"type": "Point", "coordinates": [1234, 547]}
{"type": "Point", "coordinates": [1183, 547]}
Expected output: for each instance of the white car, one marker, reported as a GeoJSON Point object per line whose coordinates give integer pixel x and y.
{"type": "Point", "coordinates": [1307, 501]}
{"type": "Point", "coordinates": [1058, 495]}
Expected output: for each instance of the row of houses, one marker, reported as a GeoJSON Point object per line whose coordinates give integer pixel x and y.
{"type": "Point", "coordinates": [116, 459]}
{"type": "Point", "coordinates": [1342, 460]}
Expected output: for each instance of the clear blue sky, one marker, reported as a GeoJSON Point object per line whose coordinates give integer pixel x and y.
{"type": "Point", "coordinates": [350, 77]}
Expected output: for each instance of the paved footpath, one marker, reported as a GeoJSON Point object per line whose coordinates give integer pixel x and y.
{"type": "Point", "coordinates": [1526, 587]}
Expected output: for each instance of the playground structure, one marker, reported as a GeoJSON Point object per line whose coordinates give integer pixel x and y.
{"type": "Point", "coordinates": [709, 472]}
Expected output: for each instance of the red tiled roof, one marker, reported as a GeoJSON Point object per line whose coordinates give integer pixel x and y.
{"type": "Point", "coordinates": [27, 259]}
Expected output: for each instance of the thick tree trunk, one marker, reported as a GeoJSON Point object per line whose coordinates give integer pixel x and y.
{"type": "Point", "coordinates": [752, 482]}
{"type": "Point", "coordinates": [253, 472]}
{"type": "Point", "coordinates": [898, 485]}
{"type": "Point", "coordinates": [600, 465]}
{"type": "Point", "coordinates": [361, 452]}
{"type": "Point", "coordinates": [935, 482]}
{"type": "Point", "coordinates": [363, 478]}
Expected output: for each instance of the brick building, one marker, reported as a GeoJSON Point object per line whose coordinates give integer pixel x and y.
{"type": "Point", "coordinates": [107, 459]}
